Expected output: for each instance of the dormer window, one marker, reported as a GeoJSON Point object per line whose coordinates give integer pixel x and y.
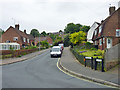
{"type": "Point", "coordinates": [96, 32]}
{"type": "Point", "coordinates": [100, 29]}
{"type": "Point", "coordinates": [24, 39]}
{"type": "Point", "coordinates": [117, 32]}
{"type": "Point", "coordinates": [28, 40]}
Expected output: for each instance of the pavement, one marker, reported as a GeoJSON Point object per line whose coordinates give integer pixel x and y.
{"type": "Point", "coordinates": [70, 65]}
{"type": "Point", "coordinates": [19, 59]}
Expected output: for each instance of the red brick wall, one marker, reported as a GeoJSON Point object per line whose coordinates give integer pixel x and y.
{"type": "Point", "coordinates": [111, 25]}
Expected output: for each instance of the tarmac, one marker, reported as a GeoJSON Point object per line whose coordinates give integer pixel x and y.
{"type": "Point", "coordinates": [69, 64]}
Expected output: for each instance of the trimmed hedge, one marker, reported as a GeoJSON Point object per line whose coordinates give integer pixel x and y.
{"type": "Point", "coordinates": [16, 53]}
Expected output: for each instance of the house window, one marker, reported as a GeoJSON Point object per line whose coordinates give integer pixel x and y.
{"type": "Point", "coordinates": [95, 42]}
{"type": "Point", "coordinates": [28, 40]}
{"type": "Point", "coordinates": [100, 29]}
{"type": "Point", "coordinates": [117, 32]}
{"type": "Point", "coordinates": [109, 41]}
{"type": "Point", "coordinates": [15, 38]}
{"type": "Point", "coordinates": [7, 41]}
{"type": "Point", "coordinates": [100, 41]}
{"type": "Point", "coordinates": [24, 39]}
{"type": "Point", "coordinates": [96, 32]}
{"type": "Point", "coordinates": [103, 40]}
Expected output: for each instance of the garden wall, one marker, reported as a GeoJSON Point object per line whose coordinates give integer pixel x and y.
{"type": "Point", "coordinates": [112, 56]}
{"type": "Point", "coordinates": [16, 53]}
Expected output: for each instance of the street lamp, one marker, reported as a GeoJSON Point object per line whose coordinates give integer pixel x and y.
{"type": "Point", "coordinates": [39, 42]}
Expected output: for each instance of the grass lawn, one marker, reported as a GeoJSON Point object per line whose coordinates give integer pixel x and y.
{"type": "Point", "coordinates": [93, 53]}
{"type": "Point", "coordinates": [90, 52]}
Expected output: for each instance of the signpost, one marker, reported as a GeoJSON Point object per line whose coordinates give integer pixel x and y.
{"type": "Point", "coordinates": [99, 61]}
{"type": "Point", "coordinates": [90, 58]}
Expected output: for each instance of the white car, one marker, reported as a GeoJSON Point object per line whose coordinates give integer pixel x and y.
{"type": "Point", "coordinates": [55, 51]}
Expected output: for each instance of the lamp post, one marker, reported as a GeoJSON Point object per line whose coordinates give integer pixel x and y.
{"type": "Point", "coordinates": [39, 42]}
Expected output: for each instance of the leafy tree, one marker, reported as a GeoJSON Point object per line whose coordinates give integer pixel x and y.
{"type": "Point", "coordinates": [78, 37]}
{"type": "Point", "coordinates": [53, 36]}
{"type": "Point", "coordinates": [58, 40]}
{"type": "Point", "coordinates": [1, 32]}
{"type": "Point", "coordinates": [43, 33]}
{"type": "Point", "coordinates": [71, 28]}
{"type": "Point", "coordinates": [66, 40]}
{"type": "Point", "coordinates": [44, 44]}
{"type": "Point", "coordinates": [35, 33]}
{"type": "Point", "coordinates": [85, 28]}
{"type": "Point", "coordinates": [60, 31]}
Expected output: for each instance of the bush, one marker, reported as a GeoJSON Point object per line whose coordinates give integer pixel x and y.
{"type": "Point", "coordinates": [93, 49]}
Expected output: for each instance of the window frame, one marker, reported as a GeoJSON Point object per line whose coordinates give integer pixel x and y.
{"type": "Point", "coordinates": [117, 32]}
{"type": "Point", "coordinates": [100, 28]}
{"type": "Point", "coordinates": [15, 38]}
{"type": "Point", "coordinates": [100, 41]}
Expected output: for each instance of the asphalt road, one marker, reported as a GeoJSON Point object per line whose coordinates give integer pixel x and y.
{"type": "Point", "coordinates": [40, 72]}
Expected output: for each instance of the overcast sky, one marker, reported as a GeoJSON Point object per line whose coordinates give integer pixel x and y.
{"type": "Point", "coordinates": [52, 15]}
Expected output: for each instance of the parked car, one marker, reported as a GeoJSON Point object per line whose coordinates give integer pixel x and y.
{"type": "Point", "coordinates": [61, 46]}
{"type": "Point", "coordinates": [55, 51]}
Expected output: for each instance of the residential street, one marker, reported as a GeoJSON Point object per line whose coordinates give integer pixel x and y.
{"type": "Point", "coordinates": [40, 72]}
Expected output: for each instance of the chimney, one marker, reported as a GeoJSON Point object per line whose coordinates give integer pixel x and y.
{"type": "Point", "coordinates": [119, 4]}
{"type": "Point", "coordinates": [17, 26]}
{"type": "Point", "coordinates": [111, 10]}
{"type": "Point", "coordinates": [25, 31]}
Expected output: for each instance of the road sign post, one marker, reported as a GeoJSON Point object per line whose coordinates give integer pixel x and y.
{"type": "Point", "coordinates": [102, 65]}
{"type": "Point", "coordinates": [91, 62]}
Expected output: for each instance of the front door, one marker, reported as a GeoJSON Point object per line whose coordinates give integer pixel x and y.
{"type": "Point", "coordinates": [109, 42]}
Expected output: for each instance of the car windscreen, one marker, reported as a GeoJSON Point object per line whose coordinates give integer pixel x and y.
{"type": "Point", "coordinates": [55, 49]}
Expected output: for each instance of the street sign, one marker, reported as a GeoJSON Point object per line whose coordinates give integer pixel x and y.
{"type": "Point", "coordinates": [99, 60]}
{"type": "Point", "coordinates": [88, 57]}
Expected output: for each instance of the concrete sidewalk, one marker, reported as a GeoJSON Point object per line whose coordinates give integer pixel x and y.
{"type": "Point", "coordinates": [69, 64]}
{"type": "Point", "coordinates": [25, 57]}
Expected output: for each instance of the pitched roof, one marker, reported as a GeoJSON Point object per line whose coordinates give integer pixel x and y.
{"type": "Point", "coordinates": [103, 23]}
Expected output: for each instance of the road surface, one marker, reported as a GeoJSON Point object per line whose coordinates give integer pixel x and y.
{"type": "Point", "coordinates": [41, 72]}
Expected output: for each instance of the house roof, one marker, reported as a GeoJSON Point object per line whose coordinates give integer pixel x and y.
{"type": "Point", "coordinates": [31, 37]}
{"type": "Point", "coordinates": [91, 31]}
{"type": "Point", "coordinates": [103, 23]}
{"type": "Point", "coordinates": [42, 38]}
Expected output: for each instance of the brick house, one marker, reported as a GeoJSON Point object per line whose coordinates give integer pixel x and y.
{"type": "Point", "coordinates": [31, 38]}
{"type": "Point", "coordinates": [47, 38]}
{"type": "Point", "coordinates": [13, 35]}
{"type": "Point", "coordinates": [107, 34]}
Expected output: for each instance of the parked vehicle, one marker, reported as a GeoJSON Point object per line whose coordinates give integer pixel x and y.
{"type": "Point", "coordinates": [56, 51]}
{"type": "Point", "coordinates": [61, 46]}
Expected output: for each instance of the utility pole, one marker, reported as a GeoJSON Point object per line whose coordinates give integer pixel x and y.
{"type": "Point", "coordinates": [39, 42]}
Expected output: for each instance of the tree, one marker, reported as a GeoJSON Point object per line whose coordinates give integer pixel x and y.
{"type": "Point", "coordinates": [60, 31]}
{"type": "Point", "coordinates": [44, 44]}
{"type": "Point", "coordinates": [71, 28]}
{"type": "Point", "coordinates": [78, 37]}
{"type": "Point", "coordinates": [35, 33]}
{"type": "Point", "coordinates": [58, 40]}
{"type": "Point", "coordinates": [66, 40]}
{"type": "Point", "coordinates": [1, 32]}
{"type": "Point", "coordinates": [85, 28]}
{"type": "Point", "coordinates": [53, 36]}
{"type": "Point", "coordinates": [43, 33]}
